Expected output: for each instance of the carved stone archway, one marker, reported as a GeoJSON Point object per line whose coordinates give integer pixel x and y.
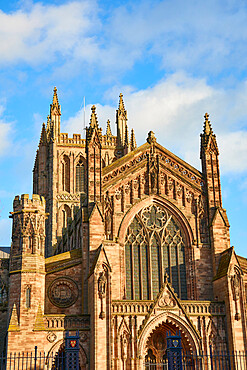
{"type": "Point", "coordinates": [153, 337]}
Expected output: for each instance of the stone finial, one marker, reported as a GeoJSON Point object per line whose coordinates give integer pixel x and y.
{"type": "Point", "coordinates": [121, 102]}
{"type": "Point", "coordinates": [207, 129]}
{"type": "Point", "coordinates": [55, 98]}
{"type": "Point", "coordinates": [133, 140]}
{"type": "Point", "coordinates": [93, 119]}
{"type": "Point", "coordinates": [108, 129]}
{"type": "Point", "coordinates": [55, 106]}
{"type": "Point", "coordinates": [151, 138]}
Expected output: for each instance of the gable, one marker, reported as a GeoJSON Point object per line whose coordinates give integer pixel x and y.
{"type": "Point", "coordinates": [136, 162]}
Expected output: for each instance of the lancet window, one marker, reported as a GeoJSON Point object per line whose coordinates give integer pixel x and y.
{"type": "Point", "coordinates": [28, 297]}
{"type": "Point", "coordinates": [66, 174]}
{"type": "Point", "coordinates": [154, 247]}
{"type": "Point", "coordinates": [80, 176]}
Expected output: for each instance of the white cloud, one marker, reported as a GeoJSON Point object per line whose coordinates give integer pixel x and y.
{"type": "Point", "coordinates": [204, 36]}
{"type": "Point", "coordinates": [38, 35]}
{"type": "Point", "coordinates": [174, 110]}
{"type": "Point", "coordinates": [5, 132]}
{"type": "Point", "coordinates": [5, 231]}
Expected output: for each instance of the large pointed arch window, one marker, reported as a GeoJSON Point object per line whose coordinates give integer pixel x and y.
{"type": "Point", "coordinates": [154, 247]}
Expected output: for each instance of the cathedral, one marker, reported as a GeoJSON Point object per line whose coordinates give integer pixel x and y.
{"type": "Point", "coordinates": [123, 244]}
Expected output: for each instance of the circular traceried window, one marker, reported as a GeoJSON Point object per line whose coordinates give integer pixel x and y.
{"type": "Point", "coordinates": [63, 292]}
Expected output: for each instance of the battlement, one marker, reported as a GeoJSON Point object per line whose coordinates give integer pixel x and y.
{"type": "Point", "coordinates": [65, 139]}
{"type": "Point", "coordinates": [36, 203]}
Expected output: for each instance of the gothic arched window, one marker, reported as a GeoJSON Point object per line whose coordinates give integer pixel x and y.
{"type": "Point", "coordinates": [80, 177]}
{"type": "Point", "coordinates": [66, 174]}
{"type": "Point", "coordinates": [154, 247]}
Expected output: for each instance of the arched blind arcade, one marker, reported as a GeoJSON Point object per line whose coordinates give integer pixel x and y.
{"type": "Point", "coordinates": [154, 246]}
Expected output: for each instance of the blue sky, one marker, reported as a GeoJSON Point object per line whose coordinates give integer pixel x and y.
{"type": "Point", "coordinates": [172, 60]}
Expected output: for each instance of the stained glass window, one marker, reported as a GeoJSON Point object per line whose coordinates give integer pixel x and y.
{"type": "Point", "coordinates": [154, 247]}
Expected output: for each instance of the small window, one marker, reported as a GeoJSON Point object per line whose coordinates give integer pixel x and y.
{"type": "Point", "coordinates": [28, 297]}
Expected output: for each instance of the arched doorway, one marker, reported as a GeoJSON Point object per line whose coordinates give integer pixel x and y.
{"type": "Point", "coordinates": [153, 340]}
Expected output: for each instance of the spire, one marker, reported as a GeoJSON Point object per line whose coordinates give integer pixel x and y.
{"type": "Point", "coordinates": [207, 129]}
{"type": "Point", "coordinates": [121, 121]}
{"type": "Point", "coordinates": [121, 103]}
{"type": "Point", "coordinates": [43, 136]}
{"type": "Point", "coordinates": [132, 140]}
{"type": "Point", "coordinates": [207, 134]}
{"type": "Point", "coordinates": [55, 106]}
{"type": "Point", "coordinates": [93, 126]}
{"type": "Point", "coordinates": [108, 129]}
{"type": "Point", "coordinates": [93, 119]}
{"type": "Point", "coordinates": [55, 113]}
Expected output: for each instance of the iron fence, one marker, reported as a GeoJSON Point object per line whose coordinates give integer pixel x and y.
{"type": "Point", "coordinates": [221, 360]}
{"type": "Point", "coordinates": [57, 361]}
{"type": "Point", "coordinates": [38, 361]}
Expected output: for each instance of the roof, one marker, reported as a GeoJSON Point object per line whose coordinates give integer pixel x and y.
{"type": "Point", "coordinates": [224, 263]}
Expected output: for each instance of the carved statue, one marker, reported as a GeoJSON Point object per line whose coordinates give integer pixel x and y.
{"type": "Point", "coordinates": [124, 347]}
{"type": "Point", "coordinates": [102, 284]}
{"type": "Point", "coordinates": [102, 280]}
{"type": "Point", "coordinates": [235, 283]}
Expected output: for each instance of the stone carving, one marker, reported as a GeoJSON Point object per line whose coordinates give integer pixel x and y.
{"type": "Point", "coordinates": [124, 345]}
{"type": "Point", "coordinates": [51, 337]}
{"type": "Point", "coordinates": [68, 197]}
{"type": "Point", "coordinates": [63, 292]}
{"type": "Point", "coordinates": [154, 217]}
{"type": "Point", "coordinates": [189, 196]}
{"type": "Point", "coordinates": [179, 190]}
{"type": "Point", "coordinates": [166, 300]}
{"type": "Point", "coordinates": [235, 283]}
{"type": "Point", "coordinates": [102, 281]}
{"type": "Point", "coordinates": [118, 194]}
{"type": "Point", "coordinates": [170, 183]}
{"type": "Point", "coordinates": [108, 216]}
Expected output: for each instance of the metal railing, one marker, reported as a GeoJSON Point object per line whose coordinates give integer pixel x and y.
{"type": "Point", "coordinates": [218, 360]}
{"type": "Point", "coordinates": [33, 361]}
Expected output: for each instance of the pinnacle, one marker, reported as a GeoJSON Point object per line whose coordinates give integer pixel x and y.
{"type": "Point", "coordinates": [93, 120]}
{"type": "Point", "coordinates": [121, 102]}
{"type": "Point", "coordinates": [108, 129]}
{"type": "Point", "coordinates": [132, 140]}
{"type": "Point", "coordinates": [43, 136]}
{"type": "Point", "coordinates": [207, 129]}
{"type": "Point", "coordinates": [55, 98]}
{"type": "Point", "coordinates": [126, 141]}
{"type": "Point", "coordinates": [55, 106]}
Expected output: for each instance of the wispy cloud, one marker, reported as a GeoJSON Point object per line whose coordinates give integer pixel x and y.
{"type": "Point", "coordinates": [46, 33]}
{"type": "Point", "coordinates": [205, 36]}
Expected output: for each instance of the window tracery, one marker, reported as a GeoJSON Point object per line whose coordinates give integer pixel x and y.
{"type": "Point", "coordinates": [154, 247]}
{"type": "Point", "coordinates": [80, 177]}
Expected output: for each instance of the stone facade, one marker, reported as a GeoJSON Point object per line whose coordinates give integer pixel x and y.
{"type": "Point", "coordinates": [124, 244]}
